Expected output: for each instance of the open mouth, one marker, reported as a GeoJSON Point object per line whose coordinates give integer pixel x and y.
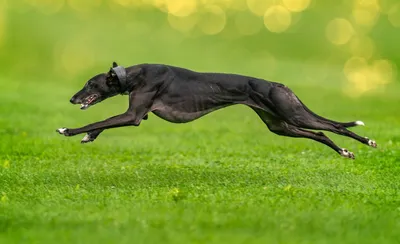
{"type": "Point", "coordinates": [90, 100]}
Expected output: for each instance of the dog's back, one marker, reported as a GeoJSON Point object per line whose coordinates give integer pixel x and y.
{"type": "Point", "coordinates": [208, 82]}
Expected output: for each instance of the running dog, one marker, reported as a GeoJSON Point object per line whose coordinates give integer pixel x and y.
{"type": "Point", "coordinates": [180, 95]}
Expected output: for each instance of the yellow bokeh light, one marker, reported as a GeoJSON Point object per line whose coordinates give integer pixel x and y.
{"type": "Point", "coordinates": [247, 23]}
{"type": "Point", "coordinates": [384, 71]}
{"type": "Point", "coordinates": [181, 8]}
{"type": "Point", "coordinates": [363, 77]}
{"type": "Point", "coordinates": [354, 64]}
{"type": "Point", "coordinates": [365, 12]}
{"type": "Point", "coordinates": [339, 31]}
{"type": "Point", "coordinates": [394, 15]}
{"type": "Point", "coordinates": [183, 24]}
{"type": "Point", "coordinates": [359, 78]}
{"type": "Point", "coordinates": [296, 5]}
{"type": "Point", "coordinates": [364, 17]}
{"type": "Point", "coordinates": [367, 3]}
{"type": "Point", "coordinates": [277, 19]}
{"type": "Point", "coordinates": [84, 6]}
{"type": "Point", "coordinates": [362, 46]}
{"type": "Point", "coordinates": [359, 82]}
{"type": "Point", "coordinates": [258, 7]}
{"type": "Point", "coordinates": [155, 3]}
{"type": "Point", "coordinates": [212, 20]}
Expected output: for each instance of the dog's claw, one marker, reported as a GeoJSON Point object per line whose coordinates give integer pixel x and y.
{"type": "Point", "coordinates": [345, 153]}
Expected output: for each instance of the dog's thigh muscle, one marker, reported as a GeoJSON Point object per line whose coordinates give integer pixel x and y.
{"type": "Point", "coordinates": [292, 111]}
{"type": "Point", "coordinates": [286, 104]}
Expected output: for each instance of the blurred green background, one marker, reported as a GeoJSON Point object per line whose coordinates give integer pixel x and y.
{"type": "Point", "coordinates": [223, 178]}
{"type": "Point", "coordinates": [351, 44]}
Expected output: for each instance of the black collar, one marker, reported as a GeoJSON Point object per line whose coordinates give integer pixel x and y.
{"type": "Point", "coordinates": [121, 74]}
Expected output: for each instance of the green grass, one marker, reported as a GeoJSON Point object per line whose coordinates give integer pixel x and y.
{"type": "Point", "coordinates": [221, 179]}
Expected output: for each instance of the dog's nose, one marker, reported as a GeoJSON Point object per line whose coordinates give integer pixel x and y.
{"type": "Point", "coordinates": [72, 100]}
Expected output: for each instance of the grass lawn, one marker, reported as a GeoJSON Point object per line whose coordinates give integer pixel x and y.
{"type": "Point", "coordinates": [221, 179]}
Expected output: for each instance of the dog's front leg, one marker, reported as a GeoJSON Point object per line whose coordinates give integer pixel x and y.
{"type": "Point", "coordinates": [92, 135]}
{"type": "Point", "coordinates": [142, 100]}
{"type": "Point", "coordinates": [125, 119]}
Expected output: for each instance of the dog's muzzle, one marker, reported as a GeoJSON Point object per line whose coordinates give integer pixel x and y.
{"type": "Point", "coordinates": [73, 100]}
{"type": "Point", "coordinates": [86, 102]}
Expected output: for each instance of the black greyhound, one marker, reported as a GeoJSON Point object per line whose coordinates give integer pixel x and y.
{"type": "Point", "coordinates": [179, 95]}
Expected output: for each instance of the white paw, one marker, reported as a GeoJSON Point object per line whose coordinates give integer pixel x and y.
{"type": "Point", "coordinates": [86, 139]}
{"type": "Point", "coordinates": [347, 154]}
{"type": "Point", "coordinates": [360, 123]}
{"type": "Point", "coordinates": [372, 143]}
{"type": "Point", "coordinates": [62, 130]}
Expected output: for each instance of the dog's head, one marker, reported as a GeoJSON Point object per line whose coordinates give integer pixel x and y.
{"type": "Point", "coordinates": [101, 87]}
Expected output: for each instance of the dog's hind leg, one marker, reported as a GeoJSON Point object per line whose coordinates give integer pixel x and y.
{"type": "Point", "coordinates": [340, 130]}
{"type": "Point", "coordinates": [284, 129]}
{"type": "Point", "coordinates": [293, 111]}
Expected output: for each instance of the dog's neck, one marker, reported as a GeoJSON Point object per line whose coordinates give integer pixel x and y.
{"type": "Point", "coordinates": [132, 79]}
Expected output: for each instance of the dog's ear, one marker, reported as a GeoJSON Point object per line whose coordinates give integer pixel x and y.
{"type": "Point", "coordinates": [115, 64]}
{"type": "Point", "coordinates": [111, 78]}
{"type": "Point", "coordinates": [110, 74]}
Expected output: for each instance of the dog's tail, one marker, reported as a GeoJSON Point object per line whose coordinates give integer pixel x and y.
{"type": "Point", "coordinates": [344, 124]}
{"type": "Point", "coordinates": [352, 124]}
